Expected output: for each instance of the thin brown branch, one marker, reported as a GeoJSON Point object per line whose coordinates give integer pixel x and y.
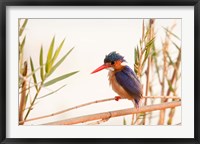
{"type": "Point", "coordinates": [89, 103]}
{"type": "Point", "coordinates": [112, 114]}
{"type": "Point", "coordinates": [69, 109]}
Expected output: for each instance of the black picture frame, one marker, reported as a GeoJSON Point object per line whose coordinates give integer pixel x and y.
{"type": "Point", "coordinates": [5, 3]}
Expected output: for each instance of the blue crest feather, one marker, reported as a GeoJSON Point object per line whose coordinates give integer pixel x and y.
{"type": "Point", "coordinates": [113, 56]}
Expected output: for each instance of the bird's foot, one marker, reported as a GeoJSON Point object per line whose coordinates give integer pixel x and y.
{"type": "Point", "coordinates": [117, 98]}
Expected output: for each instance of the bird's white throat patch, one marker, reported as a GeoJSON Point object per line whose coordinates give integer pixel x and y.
{"type": "Point", "coordinates": [124, 64]}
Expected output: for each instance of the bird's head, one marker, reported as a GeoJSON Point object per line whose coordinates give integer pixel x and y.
{"type": "Point", "coordinates": [113, 61]}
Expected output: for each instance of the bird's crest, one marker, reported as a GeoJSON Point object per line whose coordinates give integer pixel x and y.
{"type": "Point", "coordinates": [113, 56]}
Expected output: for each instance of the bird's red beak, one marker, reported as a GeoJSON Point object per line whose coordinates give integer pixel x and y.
{"type": "Point", "coordinates": [100, 68]}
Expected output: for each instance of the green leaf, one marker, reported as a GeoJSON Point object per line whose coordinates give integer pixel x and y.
{"type": "Point", "coordinates": [21, 53]}
{"type": "Point", "coordinates": [124, 121]}
{"type": "Point", "coordinates": [41, 64]}
{"type": "Point", "coordinates": [148, 49]}
{"type": "Point", "coordinates": [136, 55]}
{"type": "Point", "coordinates": [49, 56]}
{"type": "Point", "coordinates": [145, 57]}
{"type": "Point", "coordinates": [59, 62]}
{"type": "Point", "coordinates": [59, 78]}
{"type": "Point", "coordinates": [33, 74]}
{"type": "Point", "coordinates": [149, 44]}
{"type": "Point", "coordinates": [170, 59]}
{"type": "Point", "coordinates": [136, 68]}
{"type": "Point", "coordinates": [51, 92]}
{"type": "Point", "coordinates": [57, 51]}
{"type": "Point", "coordinates": [23, 27]}
{"type": "Point", "coordinates": [34, 71]}
{"type": "Point", "coordinates": [170, 86]}
{"type": "Point", "coordinates": [154, 52]}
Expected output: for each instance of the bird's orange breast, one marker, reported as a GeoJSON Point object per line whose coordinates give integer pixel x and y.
{"type": "Point", "coordinates": [116, 87]}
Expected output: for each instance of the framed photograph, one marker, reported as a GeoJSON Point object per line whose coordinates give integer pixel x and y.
{"type": "Point", "coordinates": [99, 71]}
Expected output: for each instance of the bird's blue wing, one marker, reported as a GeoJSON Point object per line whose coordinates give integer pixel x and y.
{"type": "Point", "coordinates": [129, 81]}
{"type": "Point", "coordinates": [128, 70]}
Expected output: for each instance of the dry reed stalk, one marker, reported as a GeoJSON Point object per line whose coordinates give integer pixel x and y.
{"type": "Point", "coordinates": [177, 65]}
{"type": "Point", "coordinates": [133, 119]}
{"type": "Point", "coordinates": [22, 104]}
{"type": "Point", "coordinates": [174, 77]}
{"type": "Point", "coordinates": [171, 115]}
{"type": "Point", "coordinates": [165, 48]}
{"type": "Point", "coordinates": [32, 103]}
{"type": "Point", "coordinates": [112, 114]}
{"type": "Point", "coordinates": [150, 37]}
{"type": "Point", "coordinates": [164, 76]}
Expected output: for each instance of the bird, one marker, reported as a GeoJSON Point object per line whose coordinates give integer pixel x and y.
{"type": "Point", "coordinates": [122, 78]}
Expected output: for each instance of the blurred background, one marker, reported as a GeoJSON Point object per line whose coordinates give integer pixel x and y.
{"type": "Point", "coordinates": [92, 39]}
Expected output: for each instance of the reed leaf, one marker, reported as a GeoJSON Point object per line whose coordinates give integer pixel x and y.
{"type": "Point", "coordinates": [33, 74]}
{"type": "Point", "coordinates": [170, 59]}
{"type": "Point", "coordinates": [49, 56]}
{"type": "Point", "coordinates": [136, 55]}
{"type": "Point", "coordinates": [170, 86]}
{"type": "Point", "coordinates": [59, 78]}
{"type": "Point", "coordinates": [149, 44]}
{"type": "Point", "coordinates": [21, 49]}
{"type": "Point", "coordinates": [23, 27]}
{"type": "Point", "coordinates": [136, 68]}
{"type": "Point", "coordinates": [124, 121]}
{"type": "Point", "coordinates": [58, 63]}
{"type": "Point", "coordinates": [30, 74]}
{"type": "Point", "coordinates": [179, 48]}
{"type": "Point", "coordinates": [21, 53]}
{"type": "Point", "coordinates": [147, 50]}
{"type": "Point", "coordinates": [167, 30]}
{"type": "Point", "coordinates": [51, 92]}
{"type": "Point", "coordinates": [41, 64]}
{"type": "Point", "coordinates": [57, 51]}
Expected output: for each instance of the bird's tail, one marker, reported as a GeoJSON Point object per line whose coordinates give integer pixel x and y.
{"type": "Point", "coordinates": [139, 103]}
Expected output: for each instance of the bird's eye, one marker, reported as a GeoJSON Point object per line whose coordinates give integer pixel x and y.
{"type": "Point", "coordinates": [112, 62]}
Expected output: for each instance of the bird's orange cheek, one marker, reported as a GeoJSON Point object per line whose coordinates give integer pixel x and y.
{"type": "Point", "coordinates": [118, 65]}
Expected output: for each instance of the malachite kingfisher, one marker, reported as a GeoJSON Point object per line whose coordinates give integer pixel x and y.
{"type": "Point", "coordinates": [122, 78]}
